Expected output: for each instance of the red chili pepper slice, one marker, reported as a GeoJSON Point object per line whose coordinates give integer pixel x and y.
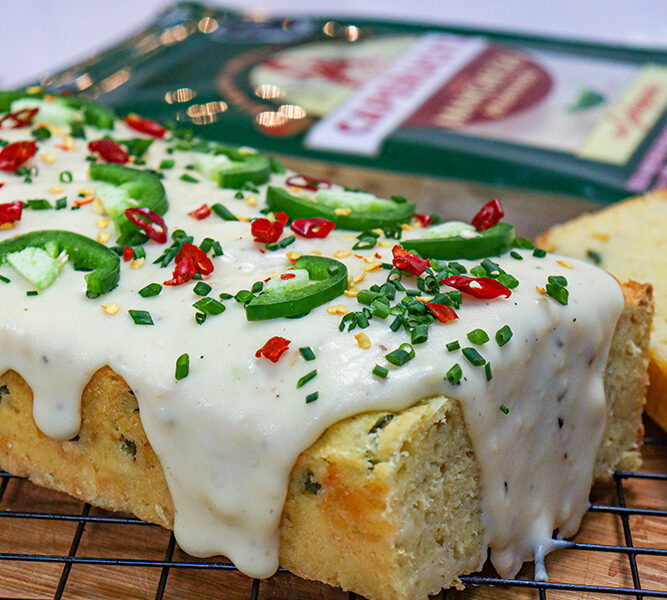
{"type": "Point", "coordinates": [145, 125]}
{"type": "Point", "coordinates": [128, 254]}
{"type": "Point", "coordinates": [21, 118]}
{"type": "Point", "coordinates": [12, 156]}
{"type": "Point", "coordinates": [317, 227]}
{"type": "Point", "coordinates": [273, 349]}
{"type": "Point", "coordinates": [424, 220]}
{"type": "Point", "coordinates": [146, 219]}
{"type": "Point", "coordinates": [442, 312]}
{"type": "Point", "coordinates": [478, 287]}
{"type": "Point", "coordinates": [267, 231]}
{"type": "Point", "coordinates": [109, 151]}
{"type": "Point", "coordinates": [408, 262]}
{"type": "Point", "coordinates": [488, 215]}
{"type": "Point", "coordinates": [201, 213]}
{"type": "Point", "coordinates": [10, 212]}
{"type": "Point", "coordinates": [307, 183]}
{"type": "Point", "coordinates": [190, 261]}
{"type": "Point", "coordinates": [287, 276]}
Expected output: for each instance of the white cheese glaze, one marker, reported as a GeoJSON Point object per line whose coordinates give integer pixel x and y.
{"type": "Point", "coordinates": [228, 435]}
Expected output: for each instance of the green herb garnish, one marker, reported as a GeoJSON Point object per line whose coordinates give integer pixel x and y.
{"type": "Point", "coordinates": [312, 397]}
{"type": "Point", "coordinates": [503, 335]}
{"type": "Point", "coordinates": [202, 289]}
{"type": "Point", "coordinates": [209, 306]}
{"type": "Point", "coordinates": [454, 374]}
{"type": "Point", "coordinates": [307, 353]}
{"type": "Point", "coordinates": [306, 378]}
{"type": "Point", "coordinates": [152, 289]}
{"type": "Point", "coordinates": [380, 371]}
{"type": "Point", "coordinates": [474, 357]}
{"type": "Point", "coordinates": [478, 336]}
{"type": "Point", "coordinates": [141, 317]}
{"type": "Point", "coordinates": [182, 367]}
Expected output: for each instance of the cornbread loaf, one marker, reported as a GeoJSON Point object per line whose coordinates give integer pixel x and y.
{"type": "Point", "coordinates": [387, 505]}
{"type": "Point", "coordinates": [628, 239]}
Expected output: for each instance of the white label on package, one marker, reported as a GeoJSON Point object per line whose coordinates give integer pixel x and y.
{"type": "Point", "coordinates": [378, 107]}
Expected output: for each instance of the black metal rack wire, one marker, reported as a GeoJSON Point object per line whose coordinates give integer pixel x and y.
{"type": "Point", "coordinates": [167, 564]}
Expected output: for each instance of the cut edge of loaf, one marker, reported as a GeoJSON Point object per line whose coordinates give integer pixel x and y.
{"type": "Point", "coordinates": [358, 514]}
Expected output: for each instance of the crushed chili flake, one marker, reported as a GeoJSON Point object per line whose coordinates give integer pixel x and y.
{"type": "Point", "coordinates": [287, 276]}
{"type": "Point", "coordinates": [442, 312]}
{"type": "Point", "coordinates": [317, 227]}
{"type": "Point", "coordinates": [273, 349]}
{"type": "Point", "coordinates": [14, 155]}
{"type": "Point", "coordinates": [201, 213]}
{"type": "Point", "coordinates": [147, 220]}
{"type": "Point", "coordinates": [411, 263]}
{"type": "Point", "coordinates": [266, 231]}
{"type": "Point", "coordinates": [144, 125]}
{"type": "Point", "coordinates": [424, 220]}
{"type": "Point", "coordinates": [190, 261]}
{"type": "Point", "coordinates": [109, 150]}
{"type": "Point", "coordinates": [478, 287]}
{"type": "Point", "coordinates": [10, 212]}
{"type": "Point", "coordinates": [128, 254]}
{"type": "Point", "coordinates": [488, 215]}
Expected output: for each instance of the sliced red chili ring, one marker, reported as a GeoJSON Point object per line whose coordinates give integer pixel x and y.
{"type": "Point", "coordinates": [21, 118]}
{"type": "Point", "coordinates": [10, 212]}
{"type": "Point", "coordinates": [145, 125]}
{"type": "Point", "coordinates": [146, 219]}
{"type": "Point", "coordinates": [14, 155]}
{"type": "Point", "coordinates": [201, 213]}
{"type": "Point", "coordinates": [109, 151]}
{"type": "Point", "coordinates": [478, 287]}
{"type": "Point", "coordinates": [488, 215]}
{"type": "Point", "coordinates": [442, 312]}
{"type": "Point", "coordinates": [273, 349]}
{"type": "Point", "coordinates": [316, 227]}
{"type": "Point", "coordinates": [307, 183]}
{"type": "Point", "coordinates": [411, 263]}
{"type": "Point", "coordinates": [266, 231]}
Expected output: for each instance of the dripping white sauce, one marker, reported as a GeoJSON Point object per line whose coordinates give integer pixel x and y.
{"type": "Point", "coordinates": [228, 435]}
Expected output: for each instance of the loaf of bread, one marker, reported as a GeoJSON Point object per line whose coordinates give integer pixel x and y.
{"type": "Point", "coordinates": [628, 239]}
{"type": "Point", "coordinates": [386, 505]}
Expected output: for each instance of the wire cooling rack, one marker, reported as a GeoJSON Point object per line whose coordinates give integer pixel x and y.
{"type": "Point", "coordinates": [71, 550]}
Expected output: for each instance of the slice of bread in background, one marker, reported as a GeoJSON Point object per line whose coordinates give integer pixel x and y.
{"type": "Point", "coordinates": [628, 239]}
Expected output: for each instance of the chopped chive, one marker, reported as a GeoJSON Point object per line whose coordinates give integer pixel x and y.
{"type": "Point", "coordinates": [31, 293]}
{"type": "Point", "coordinates": [312, 397]}
{"type": "Point", "coordinates": [61, 203]}
{"type": "Point", "coordinates": [401, 355]}
{"type": "Point", "coordinates": [182, 367]}
{"type": "Point", "coordinates": [225, 296]}
{"type": "Point", "coordinates": [239, 195]}
{"type": "Point", "coordinates": [5, 279]}
{"type": "Point", "coordinates": [419, 334]}
{"type": "Point", "coordinates": [307, 353]}
{"type": "Point", "coordinates": [65, 176]}
{"type": "Point", "coordinates": [396, 323]}
{"type": "Point", "coordinates": [490, 267]}
{"type": "Point", "coordinates": [39, 204]}
{"type": "Point", "coordinates": [453, 346]}
{"type": "Point", "coordinates": [503, 335]}
{"type": "Point", "coordinates": [474, 357]}
{"type": "Point", "coordinates": [380, 371]}
{"type": "Point", "coordinates": [139, 252]}
{"type": "Point", "coordinates": [200, 318]}
{"type": "Point", "coordinates": [454, 374]}
{"type": "Point", "coordinates": [257, 287]}
{"type": "Point", "coordinates": [504, 409]}
{"type": "Point", "coordinates": [152, 289]}
{"type": "Point", "coordinates": [217, 249]}
{"type": "Point", "coordinates": [558, 292]}
{"type": "Point", "coordinates": [141, 317]}
{"type": "Point", "coordinates": [202, 289]}
{"type": "Point", "coordinates": [167, 164]}
{"type": "Point", "coordinates": [188, 178]}
{"type": "Point", "coordinates": [515, 254]}
{"type": "Point", "coordinates": [41, 133]}
{"type": "Point", "coordinates": [276, 166]}
{"type": "Point", "coordinates": [523, 243]}
{"type": "Point", "coordinates": [539, 253]}
{"type": "Point", "coordinates": [209, 306]}
{"type": "Point", "coordinates": [478, 336]}
{"type": "Point", "coordinates": [223, 212]}
{"type": "Point", "coordinates": [557, 280]}
{"type": "Point", "coordinates": [306, 378]}
{"type": "Point", "coordinates": [509, 281]}
{"type": "Point", "coordinates": [206, 244]}
{"type": "Point", "coordinates": [243, 296]}
{"type": "Point", "coordinates": [487, 370]}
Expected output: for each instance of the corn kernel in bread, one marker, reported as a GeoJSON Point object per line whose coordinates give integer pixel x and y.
{"type": "Point", "coordinates": [385, 505]}
{"type": "Point", "coordinates": [628, 239]}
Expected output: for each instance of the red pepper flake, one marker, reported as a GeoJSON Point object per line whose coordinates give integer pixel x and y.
{"type": "Point", "coordinates": [1, 184]}
{"type": "Point", "coordinates": [109, 151]}
{"type": "Point", "coordinates": [128, 254]}
{"type": "Point", "coordinates": [266, 231]}
{"type": "Point", "coordinates": [190, 261]}
{"type": "Point", "coordinates": [10, 212]}
{"type": "Point", "coordinates": [287, 276]}
{"type": "Point", "coordinates": [478, 287]}
{"type": "Point", "coordinates": [20, 118]}
{"type": "Point", "coordinates": [83, 201]}
{"type": "Point", "coordinates": [424, 220]}
{"type": "Point", "coordinates": [14, 155]}
{"type": "Point", "coordinates": [488, 215]}
{"type": "Point", "coordinates": [317, 227]}
{"type": "Point", "coordinates": [307, 183]}
{"type": "Point", "coordinates": [146, 219]}
{"type": "Point", "coordinates": [201, 213]}
{"type": "Point", "coordinates": [144, 125]}
{"type": "Point", "coordinates": [442, 312]}
{"type": "Point", "coordinates": [273, 349]}
{"type": "Point", "coordinates": [410, 263]}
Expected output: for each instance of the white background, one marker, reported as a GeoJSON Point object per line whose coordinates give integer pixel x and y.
{"type": "Point", "coordinates": [42, 36]}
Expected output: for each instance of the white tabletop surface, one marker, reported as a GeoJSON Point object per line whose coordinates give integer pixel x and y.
{"type": "Point", "coordinates": [42, 36]}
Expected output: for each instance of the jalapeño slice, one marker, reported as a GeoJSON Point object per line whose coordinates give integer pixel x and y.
{"type": "Point", "coordinates": [280, 200]}
{"type": "Point", "coordinates": [491, 242]}
{"type": "Point", "coordinates": [328, 280]}
{"type": "Point", "coordinates": [233, 167]}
